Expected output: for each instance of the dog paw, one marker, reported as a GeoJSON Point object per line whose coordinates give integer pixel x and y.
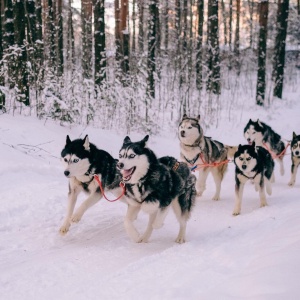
{"type": "Point", "coordinates": [291, 183]}
{"type": "Point", "coordinates": [64, 229]}
{"type": "Point", "coordinates": [143, 239]}
{"type": "Point", "coordinates": [236, 213]}
{"type": "Point", "coordinates": [75, 218]}
{"type": "Point", "coordinates": [180, 240]}
{"type": "Point", "coordinates": [199, 193]}
{"type": "Point", "coordinates": [264, 204]}
{"type": "Point", "coordinates": [216, 197]}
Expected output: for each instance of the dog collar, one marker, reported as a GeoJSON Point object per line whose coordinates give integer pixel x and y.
{"type": "Point", "coordinates": [251, 178]}
{"type": "Point", "coordinates": [192, 161]}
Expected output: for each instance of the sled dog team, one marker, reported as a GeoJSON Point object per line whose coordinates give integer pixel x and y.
{"type": "Point", "coordinates": [153, 185]}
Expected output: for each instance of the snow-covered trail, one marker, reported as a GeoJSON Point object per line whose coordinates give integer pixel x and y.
{"type": "Point", "coordinates": [251, 256]}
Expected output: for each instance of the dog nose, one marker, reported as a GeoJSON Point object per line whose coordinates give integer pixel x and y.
{"type": "Point", "coordinates": [67, 173]}
{"type": "Point", "coordinates": [182, 133]}
{"type": "Point", "coordinates": [297, 152]}
{"type": "Point", "coordinates": [244, 167]}
{"type": "Point", "coordinates": [248, 140]}
{"type": "Point", "coordinates": [120, 165]}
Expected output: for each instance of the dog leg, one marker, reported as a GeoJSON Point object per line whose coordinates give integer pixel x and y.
{"type": "Point", "coordinates": [132, 212]}
{"type": "Point", "coordinates": [201, 182]}
{"type": "Point", "coordinates": [268, 186]}
{"type": "Point", "coordinates": [182, 219]}
{"type": "Point", "coordinates": [280, 160]}
{"type": "Point", "coordinates": [238, 198]}
{"type": "Point", "coordinates": [145, 237]}
{"type": "Point", "coordinates": [218, 179]}
{"type": "Point", "coordinates": [90, 201]}
{"type": "Point", "coordinates": [160, 218]}
{"type": "Point", "coordinates": [72, 197]}
{"type": "Point", "coordinates": [293, 175]}
{"type": "Point", "coordinates": [262, 195]}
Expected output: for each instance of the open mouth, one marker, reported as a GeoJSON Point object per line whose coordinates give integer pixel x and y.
{"type": "Point", "coordinates": [127, 174]}
{"type": "Point", "coordinates": [250, 142]}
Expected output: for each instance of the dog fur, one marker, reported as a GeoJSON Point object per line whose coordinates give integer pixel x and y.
{"type": "Point", "coordinates": [263, 135]}
{"type": "Point", "coordinates": [295, 155]}
{"type": "Point", "coordinates": [195, 148]}
{"type": "Point", "coordinates": [253, 163]}
{"type": "Point", "coordinates": [82, 160]}
{"type": "Point", "coordinates": [154, 186]}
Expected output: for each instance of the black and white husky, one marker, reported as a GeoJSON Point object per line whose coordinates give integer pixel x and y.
{"type": "Point", "coordinates": [82, 160]}
{"type": "Point", "coordinates": [295, 146]}
{"type": "Point", "coordinates": [199, 150]}
{"type": "Point", "coordinates": [154, 186]}
{"type": "Point", "coordinates": [263, 135]}
{"type": "Point", "coordinates": [253, 163]}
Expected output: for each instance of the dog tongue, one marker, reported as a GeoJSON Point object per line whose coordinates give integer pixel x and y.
{"type": "Point", "coordinates": [126, 173]}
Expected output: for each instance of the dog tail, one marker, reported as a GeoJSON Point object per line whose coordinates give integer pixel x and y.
{"type": "Point", "coordinates": [188, 197]}
{"type": "Point", "coordinates": [230, 151]}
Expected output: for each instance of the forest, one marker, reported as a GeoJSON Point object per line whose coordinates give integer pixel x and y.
{"type": "Point", "coordinates": [140, 64]}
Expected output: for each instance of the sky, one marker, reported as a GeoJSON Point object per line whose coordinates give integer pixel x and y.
{"type": "Point", "coordinates": [251, 256]}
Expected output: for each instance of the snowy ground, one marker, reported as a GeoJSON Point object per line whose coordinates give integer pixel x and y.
{"type": "Point", "coordinates": [251, 256]}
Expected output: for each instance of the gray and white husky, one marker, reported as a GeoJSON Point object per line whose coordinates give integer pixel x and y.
{"type": "Point", "coordinates": [253, 163]}
{"type": "Point", "coordinates": [295, 146]}
{"type": "Point", "coordinates": [263, 135]}
{"type": "Point", "coordinates": [154, 186]}
{"type": "Point", "coordinates": [82, 160]}
{"type": "Point", "coordinates": [197, 149]}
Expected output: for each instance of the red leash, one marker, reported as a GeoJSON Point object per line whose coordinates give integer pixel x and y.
{"type": "Point", "coordinates": [122, 185]}
{"type": "Point", "coordinates": [274, 156]}
{"type": "Point", "coordinates": [204, 164]}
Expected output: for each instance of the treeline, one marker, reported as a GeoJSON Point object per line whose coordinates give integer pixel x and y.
{"type": "Point", "coordinates": [121, 63]}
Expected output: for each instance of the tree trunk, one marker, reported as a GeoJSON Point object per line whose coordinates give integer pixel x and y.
{"type": "Point", "coordinates": [151, 47]}
{"type": "Point", "coordinates": [141, 25]}
{"type": "Point", "coordinates": [199, 44]}
{"type": "Point", "coordinates": [262, 52]}
{"type": "Point", "coordinates": [60, 44]}
{"type": "Point", "coordinates": [124, 35]}
{"type": "Point", "coordinates": [214, 79]}
{"type": "Point", "coordinates": [251, 11]}
{"type": "Point", "coordinates": [2, 79]}
{"type": "Point", "coordinates": [279, 51]}
{"type": "Point", "coordinates": [87, 42]}
{"type": "Point", "coordinates": [21, 59]}
{"type": "Point", "coordinates": [99, 42]}
{"type": "Point", "coordinates": [224, 21]}
{"type": "Point", "coordinates": [166, 22]}
{"type": "Point", "coordinates": [237, 30]}
{"type": "Point", "coordinates": [133, 47]}
{"type": "Point", "coordinates": [230, 25]}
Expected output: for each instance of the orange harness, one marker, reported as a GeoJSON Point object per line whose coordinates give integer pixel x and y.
{"type": "Point", "coordinates": [205, 164]}
{"type": "Point", "coordinates": [274, 156]}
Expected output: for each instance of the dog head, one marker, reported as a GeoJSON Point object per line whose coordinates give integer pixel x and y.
{"type": "Point", "coordinates": [134, 160]}
{"type": "Point", "coordinates": [253, 132]}
{"type": "Point", "coordinates": [295, 145]}
{"type": "Point", "coordinates": [189, 130]}
{"type": "Point", "coordinates": [246, 158]}
{"type": "Point", "coordinates": [75, 157]}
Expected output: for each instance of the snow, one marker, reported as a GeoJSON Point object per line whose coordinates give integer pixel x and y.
{"type": "Point", "coordinates": [252, 256]}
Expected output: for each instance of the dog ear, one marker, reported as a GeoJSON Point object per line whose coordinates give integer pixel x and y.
{"type": "Point", "coordinates": [184, 117]}
{"type": "Point", "coordinates": [86, 143]}
{"type": "Point", "coordinates": [198, 118]}
{"type": "Point", "coordinates": [68, 141]}
{"type": "Point", "coordinates": [144, 140]}
{"type": "Point", "coordinates": [127, 140]}
{"type": "Point", "coordinates": [259, 123]}
{"type": "Point", "coordinates": [294, 135]}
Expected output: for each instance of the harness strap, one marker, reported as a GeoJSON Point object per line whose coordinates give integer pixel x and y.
{"type": "Point", "coordinates": [249, 177]}
{"type": "Point", "coordinates": [122, 185]}
{"type": "Point", "coordinates": [192, 161]}
{"type": "Point", "coordinates": [274, 156]}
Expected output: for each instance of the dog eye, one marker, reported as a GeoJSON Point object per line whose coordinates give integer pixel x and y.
{"type": "Point", "coordinates": [190, 127]}
{"type": "Point", "coordinates": [131, 155]}
{"type": "Point", "coordinates": [65, 160]}
{"type": "Point", "coordinates": [295, 146]}
{"type": "Point", "coordinates": [120, 156]}
{"type": "Point", "coordinates": [253, 132]}
{"type": "Point", "coordinates": [76, 160]}
{"type": "Point", "coordinates": [248, 158]}
{"type": "Point", "coordinates": [241, 158]}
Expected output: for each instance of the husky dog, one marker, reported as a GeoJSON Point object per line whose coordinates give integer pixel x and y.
{"type": "Point", "coordinates": [264, 136]}
{"type": "Point", "coordinates": [82, 160]}
{"type": "Point", "coordinates": [253, 163]}
{"type": "Point", "coordinates": [195, 148]}
{"type": "Point", "coordinates": [154, 185]}
{"type": "Point", "coordinates": [295, 146]}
